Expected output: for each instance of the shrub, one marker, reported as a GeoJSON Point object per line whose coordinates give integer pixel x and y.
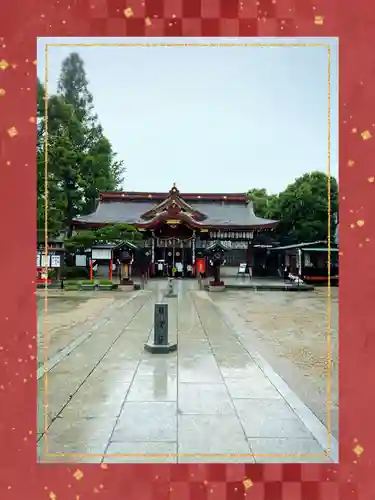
{"type": "Point", "coordinates": [76, 272]}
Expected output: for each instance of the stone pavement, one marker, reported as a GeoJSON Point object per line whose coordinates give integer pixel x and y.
{"type": "Point", "coordinates": [108, 396]}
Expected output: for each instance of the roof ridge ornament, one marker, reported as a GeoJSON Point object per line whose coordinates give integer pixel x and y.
{"type": "Point", "coordinates": [174, 189]}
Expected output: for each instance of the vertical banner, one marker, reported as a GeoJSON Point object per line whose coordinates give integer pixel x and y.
{"type": "Point", "coordinates": [45, 260]}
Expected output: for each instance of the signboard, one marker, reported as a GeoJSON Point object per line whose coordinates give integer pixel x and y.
{"type": "Point", "coordinates": [242, 268]}
{"type": "Point", "coordinates": [55, 260]}
{"type": "Point", "coordinates": [101, 254]}
{"type": "Point", "coordinates": [81, 260]}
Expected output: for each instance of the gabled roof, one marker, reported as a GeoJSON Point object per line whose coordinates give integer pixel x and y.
{"type": "Point", "coordinates": [174, 202]}
{"type": "Point", "coordinates": [216, 244]}
{"type": "Point", "coordinates": [145, 210]}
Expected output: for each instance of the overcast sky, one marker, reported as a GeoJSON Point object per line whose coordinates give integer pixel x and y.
{"type": "Point", "coordinates": [211, 119]}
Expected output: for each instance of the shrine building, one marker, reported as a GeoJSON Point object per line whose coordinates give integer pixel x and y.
{"type": "Point", "coordinates": [177, 227]}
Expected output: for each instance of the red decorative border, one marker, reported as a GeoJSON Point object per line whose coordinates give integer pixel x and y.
{"type": "Point", "coordinates": [21, 22]}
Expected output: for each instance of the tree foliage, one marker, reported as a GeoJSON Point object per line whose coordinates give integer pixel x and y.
{"type": "Point", "coordinates": [302, 208]}
{"type": "Point", "coordinates": [116, 233]}
{"type": "Point", "coordinates": [81, 160]}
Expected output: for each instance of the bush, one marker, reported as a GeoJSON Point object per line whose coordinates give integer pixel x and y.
{"type": "Point", "coordinates": [75, 273]}
{"type": "Point", "coordinates": [88, 282]}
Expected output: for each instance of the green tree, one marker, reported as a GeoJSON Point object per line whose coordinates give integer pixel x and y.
{"type": "Point", "coordinates": [73, 87]}
{"type": "Point", "coordinates": [302, 209]}
{"type": "Point", "coordinates": [115, 233]}
{"type": "Point", "coordinates": [99, 168]}
{"type": "Point", "coordinates": [81, 160]}
{"type": "Point", "coordinates": [263, 202]}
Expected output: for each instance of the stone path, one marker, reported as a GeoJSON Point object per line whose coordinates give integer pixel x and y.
{"type": "Point", "coordinates": [110, 397]}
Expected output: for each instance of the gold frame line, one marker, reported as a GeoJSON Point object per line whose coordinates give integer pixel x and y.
{"type": "Point", "coordinates": [46, 200]}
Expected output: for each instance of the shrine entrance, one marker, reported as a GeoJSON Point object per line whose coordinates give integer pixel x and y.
{"type": "Point", "coordinates": [173, 250]}
{"type": "Point", "coordinates": [173, 254]}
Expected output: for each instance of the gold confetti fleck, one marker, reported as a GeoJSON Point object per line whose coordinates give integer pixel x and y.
{"type": "Point", "coordinates": [367, 240]}
{"type": "Point", "coordinates": [360, 245]}
{"type": "Point", "coordinates": [319, 20]}
{"type": "Point", "coordinates": [352, 226]}
{"type": "Point", "coordinates": [371, 179]}
{"type": "Point", "coordinates": [32, 119]}
{"type": "Point", "coordinates": [96, 490]}
{"type": "Point", "coordinates": [78, 475]}
{"type": "Point", "coordinates": [358, 450]}
{"type": "Point", "coordinates": [2, 92]}
{"type": "Point", "coordinates": [52, 495]}
{"type": "Point", "coordinates": [128, 12]}
{"type": "Point", "coordinates": [354, 130]}
{"type": "Point", "coordinates": [12, 132]}
{"type": "Point", "coordinates": [247, 483]}
{"type": "Point", "coordinates": [351, 163]}
{"type": "Point", "coordinates": [148, 21]}
{"type": "Point", "coordinates": [104, 466]}
{"type": "Point", "coordinates": [360, 222]}
{"type": "Point", "coordinates": [366, 134]}
{"type": "Point", "coordinates": [14, 66]}
{"type": "Point", "coordinates": [35, 62]}
{"type": "Point", "coordinates": [3, 64]}
{"type": "Point", "coordinates": [8, 163]}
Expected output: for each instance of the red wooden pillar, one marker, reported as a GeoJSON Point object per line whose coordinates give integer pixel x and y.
{"type": "Point", "coordinates": [110, 270]}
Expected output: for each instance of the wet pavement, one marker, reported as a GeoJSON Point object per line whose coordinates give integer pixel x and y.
{"type": "Point", "coordinates": [291, 331]}
{"type": "Point", "coordinates": [214, 400]}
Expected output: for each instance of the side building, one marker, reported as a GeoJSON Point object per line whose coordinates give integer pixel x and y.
{"type": "Point", "coordinates": [178, 227]}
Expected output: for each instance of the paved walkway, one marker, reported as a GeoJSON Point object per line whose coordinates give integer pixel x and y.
{"type": "Point", "coordinates": [211, 397]}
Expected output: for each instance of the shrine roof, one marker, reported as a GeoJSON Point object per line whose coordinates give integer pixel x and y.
{"type": "Point", "coordinates": [158, 196]}
{"type": "Point", "coordinates": [220, 210]}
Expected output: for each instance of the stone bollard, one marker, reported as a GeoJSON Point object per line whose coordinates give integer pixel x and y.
{"type": "Point", "coordinates": [170, 288]}
{"type": "Point", "coordinates": [160, 343]}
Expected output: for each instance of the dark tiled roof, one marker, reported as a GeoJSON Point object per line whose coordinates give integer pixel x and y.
{"type": "Point", "coordinates": [218, 214]}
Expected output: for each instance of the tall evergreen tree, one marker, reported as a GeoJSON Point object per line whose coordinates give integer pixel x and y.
{"type": "Point", "coordinates": [99, 169]}
{"type": "Point", "coordinates": [81, 161]}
